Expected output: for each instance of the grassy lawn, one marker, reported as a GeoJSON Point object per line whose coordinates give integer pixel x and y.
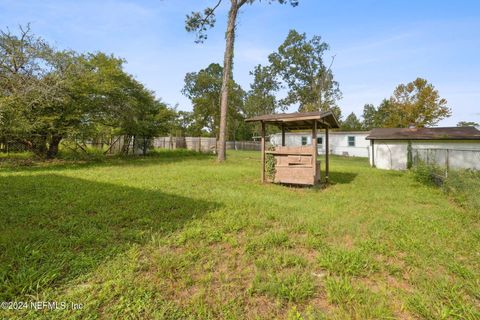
{"type": "Point", "coordinates": [177, 236]}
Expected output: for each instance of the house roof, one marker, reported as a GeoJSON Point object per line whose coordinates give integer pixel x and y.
{"type": "Point", "coordinates": [299, 120]}
{"type": "Point", "coordinates": [333, 132]}
{"type": "Point", "coordinates": [447, 133]}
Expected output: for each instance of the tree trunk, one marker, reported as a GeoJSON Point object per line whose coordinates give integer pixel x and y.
{"type": "Point", "coordinates": [53, 146]}
{"type": "Point", "coordinates": [227, 75]}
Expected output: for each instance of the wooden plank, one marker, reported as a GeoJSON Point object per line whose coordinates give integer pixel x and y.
{"type": "Point", "coordinates": [286, 153]}
{"type": "Point", "coordinates": [315, 150]}
{"type": "Point", "coordinates": [294, 150]}
{"type": "Point", "coordinates": [294, 175]}
{"type": "Point", "coordinates": [327, 151]}
{"type": "Point", "coordinates": [263, 151]}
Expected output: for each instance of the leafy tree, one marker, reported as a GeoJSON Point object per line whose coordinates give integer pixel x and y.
{"type": "Point", "coordinates": [49, 95]}
{"type": "Point", "coordinates": [261, 97]}
{"type": "Point", "coordinates": [300, 63]}
{"type": "Point", "coordinates": [376, 117]}
{"type": "Point", "coordinates": [186, 126]}
{"type": "Point", "coordinates": [21, 87]}
{"type": "Point", "coordinates": [369, 117]}
{"type": "Point", "coordinates": [199, 22]}
{"type": "Point", "coordinates": [351, 123]}
{"type": "Point", "coordinates": [417, 103]}
{"type": "Point", "coordinates": [203, 88]}
{"type": "Point", "coordinates": [467, 124]}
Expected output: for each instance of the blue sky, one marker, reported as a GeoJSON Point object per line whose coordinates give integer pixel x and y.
{"type": "Point", "coordinates": [378, 44]}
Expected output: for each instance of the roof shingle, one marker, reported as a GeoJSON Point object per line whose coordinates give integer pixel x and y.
{"type": "Point", "coordinates": [447, 133]}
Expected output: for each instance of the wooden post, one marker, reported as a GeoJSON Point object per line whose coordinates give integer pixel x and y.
{"type": "Point", "coordinates": [327, 163]}
{"type": "Point", "coordinates": [373, 153]}
{"type": "Point", "coordinates": [263, 151]}
{"type": "Point", "coordinates": [283, 135]}
{"type": "Point", "coordinates": [315, 151]}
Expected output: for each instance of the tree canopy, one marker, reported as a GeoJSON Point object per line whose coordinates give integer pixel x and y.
{"type": "Point", "coordinates": [49, 95]}
{"type": "Point", "coordinates": [261, 98]}
{"type": "Point", "coordinates": [417, 104]}
{"type": "Point", "coordinates": [300, 64]}
{"type": "Point", "coordinates": [351, 123]}
{"type": "Point", "coordinates": [203, 88]}
{"type": "Point", "coordinates": [467, 124]}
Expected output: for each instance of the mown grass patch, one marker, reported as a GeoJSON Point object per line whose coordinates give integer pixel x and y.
{"type": "Point", "coordinates": [356, 301]}
{"type": "Point", "coordinates": [176, 235]}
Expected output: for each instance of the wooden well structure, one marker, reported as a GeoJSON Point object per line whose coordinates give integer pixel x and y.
{"type": "Point", "coordinates": [299, 164]}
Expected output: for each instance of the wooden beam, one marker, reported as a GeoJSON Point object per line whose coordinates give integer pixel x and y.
{"type": "Point", "coordinates": [263, 151]}
{"type": "Point", "coordinates": [315, 151]}
{"type": "Point", "coordinates": [283, 135]}
{"type": "Point", "coordinates": [327, 162]}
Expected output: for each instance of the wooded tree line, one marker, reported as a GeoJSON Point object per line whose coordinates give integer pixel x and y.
{"type": "Point", "coordinates": [49, 95]}
{"type": "Point", "coordinates": [298, 68]}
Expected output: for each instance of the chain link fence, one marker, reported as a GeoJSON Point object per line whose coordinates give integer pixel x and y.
{"type": "Point", "coordinates": [108, 145]}
{"type": "Point", "coordinates": [203, 144]}
{"type": "Point", "coordinates": [111, 145]}
{"type": "Point", "coordinates": [447, 159]}
{"type": "Point", "coordinates": [11, 144]}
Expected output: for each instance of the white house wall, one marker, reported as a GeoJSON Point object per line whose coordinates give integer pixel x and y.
{"type": "Point", "coordinates": [338, 142]}
{"type": "Point", "coordinates": [390, 154]}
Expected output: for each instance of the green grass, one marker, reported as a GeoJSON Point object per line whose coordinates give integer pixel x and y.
{"type": "Point", "coordinates": [177, 236]}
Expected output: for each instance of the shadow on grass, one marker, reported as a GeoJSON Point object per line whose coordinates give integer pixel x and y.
{"type": "Point", "coordinates": [337, 177]}
{"type": "Point", "coordinates": [56, 228]}
{"type": "Point", "coordinates": [13, 164]}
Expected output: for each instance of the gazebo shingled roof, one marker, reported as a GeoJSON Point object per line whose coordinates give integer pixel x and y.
{"type": "Point", "coordinates": [299, 120]}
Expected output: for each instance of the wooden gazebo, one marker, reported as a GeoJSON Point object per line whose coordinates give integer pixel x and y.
{"type": "Point", "coordinates": [297, 165]}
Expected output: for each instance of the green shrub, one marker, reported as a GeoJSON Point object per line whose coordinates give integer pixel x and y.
{"type": "Point", "coordinates": [428, 174]}
{"type": "Point", "coordinates": [461, 185]}
{"type": "Point", "coordinates": [270, 164]}
{"type": "Point", "coordinates": [90, 154]}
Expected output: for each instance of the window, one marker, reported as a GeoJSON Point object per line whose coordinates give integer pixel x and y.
{"type": "Point", "coordinates": [351, 141]}
{"type": "Point", "coordinates": [320, 140]}
{"type": "Point", "coordinates": [304, 141]}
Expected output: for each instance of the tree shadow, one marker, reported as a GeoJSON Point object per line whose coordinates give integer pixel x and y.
{"type": "Point", "coordinates": [337, 177]}
{"type": "Point", "coordinates": [167, 156]}
{"type": "Point", "coordinates": [57, 228]}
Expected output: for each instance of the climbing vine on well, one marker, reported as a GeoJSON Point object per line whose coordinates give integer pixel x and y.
{"type": "Point", "coordinates": [270, 164]}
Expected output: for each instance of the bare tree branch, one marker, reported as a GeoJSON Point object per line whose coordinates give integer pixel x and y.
{"type": "Point", "coordinates": [210, 12]}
